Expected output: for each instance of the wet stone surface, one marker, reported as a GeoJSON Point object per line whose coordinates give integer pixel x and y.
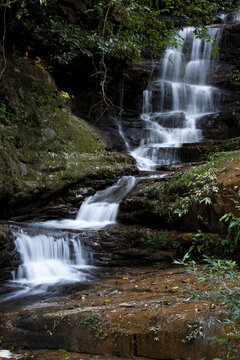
{"type": "Point", "coordinates": [129, 313]}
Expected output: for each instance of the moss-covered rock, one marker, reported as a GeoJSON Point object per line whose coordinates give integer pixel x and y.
{"type": "Point", "coordinates": [195, 197]}
{"type": "Point", "coordinates": [43, 147]}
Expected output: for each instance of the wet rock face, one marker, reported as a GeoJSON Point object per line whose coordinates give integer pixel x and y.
{"type": "Point", "coordinates": [153, 203]}
{"type": "Point", "coordinates": [220, 126]}
{"type": "Point", "coordinates": [124, 245]}
{"type": "Point", "coordinates": [230, 42]}
{"type": "Point", "coordinates": [193, 152]}
{"type": "Point", "coordinates": [129, 313]}
{"type": "Point", "coordinates": [128, 94]}
{"type": "Point", "coordinates": [9, 257]}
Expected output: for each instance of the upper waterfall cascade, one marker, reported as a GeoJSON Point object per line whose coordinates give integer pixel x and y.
{"type": "Point", "coordinates": [179, 95]}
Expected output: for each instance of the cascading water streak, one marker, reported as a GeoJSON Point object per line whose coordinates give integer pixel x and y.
{"type": "Point", "coordinates": [48, 261]}
{"type": "Point", "coordinates": [49, 257]}
{"type": "Point", "coordinates": [177, 98]}
{"type": "Point", "coordinates": [98, 210]}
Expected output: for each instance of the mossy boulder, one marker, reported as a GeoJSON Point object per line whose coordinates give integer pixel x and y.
{"type": "Point", "coordinates": [44, 148]}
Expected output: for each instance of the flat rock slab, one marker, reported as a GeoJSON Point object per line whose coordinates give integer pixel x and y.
{"type": "Point", "coordinates": [128, 313]}
{"type": "Point", "coordinates": [60, 355]}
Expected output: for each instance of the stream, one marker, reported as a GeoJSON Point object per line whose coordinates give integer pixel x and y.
{"type": "Point", "coordinates": [51, 254]}
{"type": "Point", "coordinates": [54, 257]}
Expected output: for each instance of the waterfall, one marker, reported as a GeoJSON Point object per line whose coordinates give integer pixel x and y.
{"type": "Point", "coordinates": [232, 18]}
{"type": "Point", "coordinates": [98, 210]}
{"type": "Point", "coordinates": [119, 118]}
{"type": "Point", "coordinates": [180, 94]}
{"type": "Point", "coordinates": [48, 259]}
{"type": "Point", "coordinates": [172, 104]}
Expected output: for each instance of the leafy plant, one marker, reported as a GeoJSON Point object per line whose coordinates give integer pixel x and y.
{"type": "Point", "coordinates": [198, 185]}
{"type": "Point", "coordinates": [194, 330]}
{"type": "Point", "coordinates": [201, 245]}
{"type": "Point", "coordinates": [201, 187]}
{"type": "Point", "coordinates": [235, 81]}
{"type": "Point", "coordinates": [93, 322]}
{"type": "Point", "coordinates": [223, 278]}
{"type": "Point", "coordinates": [62, 351]}
{"type": "Point", "coordinates": [233, 232]}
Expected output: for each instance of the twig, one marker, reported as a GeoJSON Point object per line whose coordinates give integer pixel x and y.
{"type": "Point", "coordinates": [3, 41]}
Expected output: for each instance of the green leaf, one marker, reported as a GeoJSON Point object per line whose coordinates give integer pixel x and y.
{"type": "Point", "coordinates": [62, 351]}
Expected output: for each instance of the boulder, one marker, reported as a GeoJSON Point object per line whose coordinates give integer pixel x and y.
{"type": "Point", "coordinates": [9, 257]}
{"type": "Point", "coordinates": [220, 126]}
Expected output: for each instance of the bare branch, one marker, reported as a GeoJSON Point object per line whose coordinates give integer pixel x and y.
{"type": "Point", "coordinates": [3, 41]}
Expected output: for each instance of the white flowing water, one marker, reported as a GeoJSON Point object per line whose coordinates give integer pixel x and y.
{"type": "Point", "coordinates": [98, 210]}
{"type": "Point", "coordinates": [49, 257]}
{"type": "Point", "coordinates": [5, 354]}
{"type": "Point", "coordinates": [232, 18]}
{"type": "Point", "coordinates": [179, 95]}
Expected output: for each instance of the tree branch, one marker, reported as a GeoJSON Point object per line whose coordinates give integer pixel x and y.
{"type": "Point", "coordinates": [3, 41]}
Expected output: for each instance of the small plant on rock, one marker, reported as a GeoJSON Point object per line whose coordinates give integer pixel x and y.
{"type": "Point", "coordinates": [194, 330]}
{"type": "Point", "coordinates": [223, 291]}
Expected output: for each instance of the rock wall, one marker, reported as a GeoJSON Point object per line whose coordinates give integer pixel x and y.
{"type": "Point", "coordinates": [44, 148]}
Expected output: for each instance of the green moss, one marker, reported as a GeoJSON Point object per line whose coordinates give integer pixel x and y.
{"type": "Point", "coordinates": [155, 240]}
{"type": "Point", "coordinates": [43, 147]}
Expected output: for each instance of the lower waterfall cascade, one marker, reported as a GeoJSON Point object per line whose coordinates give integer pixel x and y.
{"type": "Point", "coordinates": [49, 258]}
{"type": "Point", "coordinates": [172, 105]}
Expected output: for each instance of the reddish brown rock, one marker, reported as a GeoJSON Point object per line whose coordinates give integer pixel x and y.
{"type": "Point", "coordinates": [130, 313]}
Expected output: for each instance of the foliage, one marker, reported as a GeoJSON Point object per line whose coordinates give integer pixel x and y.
{"type": "Point", "coordinates": [223, 279]}
{"type": "Point", "coordinates": [62, 351]}
{"type": "Point", "coordinates": [121, 28]}
{"type": "Point", "coordinates": [231, 242]}
{"type": "Point", "coordinates": [201, 187]}
{"type": "Point", "coordinates": [105, 31]}
{"type": "Point", "coordinates": [201, 245]}
{"type": "Point", "coordinates": [93, 322]}
{"type": "Point", "coordinates": [236, 79]}
{"type": "Point", "coordinates": [155, 240]}
{"type": "Point", "coordinates": [194, 330]}
{"type": "Point", "coordinates": [199, 184]}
